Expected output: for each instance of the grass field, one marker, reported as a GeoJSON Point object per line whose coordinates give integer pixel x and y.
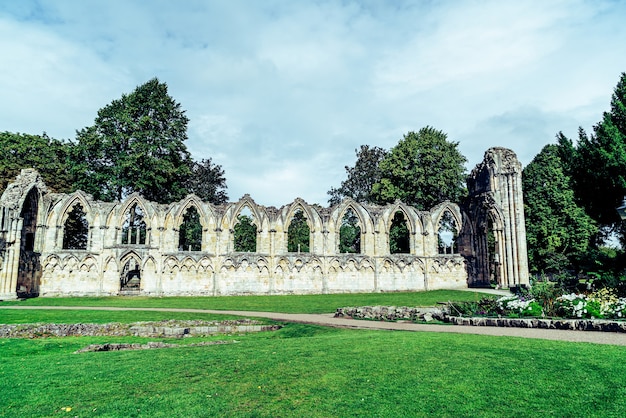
{"type": "Point", "coordinates": [277, 303]}
{"type": "Point", "coordinates": [309, 371]}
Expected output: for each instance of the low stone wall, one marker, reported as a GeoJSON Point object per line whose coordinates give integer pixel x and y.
{"type": "Point", "coordinates": [173, 329]}
{"type": "Point", "coordinates": [390, 313]}
{"type": "Point", "coordinates": [404, 313]}
{"type": "Point", "coordinates": [562, 324]}
{"type": "Point", "coordinates": [148, 346]}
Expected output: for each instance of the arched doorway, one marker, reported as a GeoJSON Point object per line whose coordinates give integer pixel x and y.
{"type": "Point", "coordinates": [130, 277]}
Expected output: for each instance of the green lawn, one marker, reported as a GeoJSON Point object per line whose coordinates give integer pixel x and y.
{"type": "Point", "coordinates": [276, 303]}
{"type": "Point", "coordinates": [305, 370]}
{"type": "Point", "coordinates": [14, 316]}
{"type": "Point", "coordinates": [312, 371]}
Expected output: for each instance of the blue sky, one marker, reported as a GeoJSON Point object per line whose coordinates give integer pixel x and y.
{"type": "Point", "coordinates": [280, 93]}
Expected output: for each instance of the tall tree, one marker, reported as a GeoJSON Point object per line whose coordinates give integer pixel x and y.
{"type": "Point", "coordinates": [600, 163]}
{"type": "Point", "coordinates": [361, 177]}
{"type": "Point", "coordinates": [557, 229]}
{"type": "Point", "coordinates": [245, 234]}
{"type": "Point", "coordinates": [48, 155]}
{"type": "Point", "coordinates": [135, 145]}
{"type": "Point", "coordinates": [207, 181]}
{"type": "Point", "coordinates": [423, 169]}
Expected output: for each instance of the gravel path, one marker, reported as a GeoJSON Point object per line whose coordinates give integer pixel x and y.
{"type": "Point", "coordinates": [595, 337]}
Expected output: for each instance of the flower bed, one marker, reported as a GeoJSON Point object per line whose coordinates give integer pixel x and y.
{"type": "Point", "coordinates": [603, 304]}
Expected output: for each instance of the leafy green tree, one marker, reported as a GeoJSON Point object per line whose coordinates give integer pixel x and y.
{"type": "Point", "coordinates": [298, 234]}
{"type": "Point", "coordinates": [350, 234]}
{"type": "Point", "coordinates": [76, 230]}
{"type": "Point", "coordinates": [422, 170]}
{"type": "Point", "coordinates": [135, 145]}
{"type": "Point", "coordinates": [361, 177]}
{"type": "Point", "coordinates": [600, 163]}
{"type": "Point", "coordinates": [245, 234]}
{"type": "Point", "coordinates": [558, 231]}
{"type": "Point", "coordinates": [47, 155]}
{"type": "Point", "coordinates": [207, 181]}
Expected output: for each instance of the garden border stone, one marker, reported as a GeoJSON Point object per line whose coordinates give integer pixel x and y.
{"type": "Point", "coordinates": [427, 314]}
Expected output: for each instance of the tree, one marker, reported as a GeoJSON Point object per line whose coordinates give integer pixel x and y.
{"type": "Point", "coordinates": [245, 234]}
{"type": "Point", "coordinates": [350, 233]}
{"type": "Point", "coordinates": [361, 177]}
{"type": "Point", "coordinates": [558, 231]}
{"type": "Point", "coordinates": [76, 230]}
{"type": "Point", "coordinates": [190, 232]}
{"type": "Point", "coordinates": [207, 181]}
{"type": "Point", "coordinates": [422, 170]}
{"type": "Point", "coordinates": [600, 162]}
{"type": "Point", "coordinates": [47, 155]}
{"type": "Point", "coordinates": [298, 234]}
{"type": "Point", "coordinates": [135, 145]}
{"type": "Point", "coordinates": [399, 237]}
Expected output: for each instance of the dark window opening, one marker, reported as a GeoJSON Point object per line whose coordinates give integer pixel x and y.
{"type": "Point", "coordinates": [190, 234]}
{"type": "Point", "coordinates": [298, 234]}
{"type": "Point", "coordinates": [75, 230]}
{"type": "Point", "coordinates": [399, 242]}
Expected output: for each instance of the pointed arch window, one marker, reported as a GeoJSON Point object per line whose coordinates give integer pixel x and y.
{"type": "Point", "coordinates": [245, 232]}
{"type": "Point", "coordinates": [75, 229]}
{"type": "Point", "coordinates": [134, 227]}
{"type": "Point", "coordinates": [399, 242]}
{"type": "Point", "coordinates": [447, 234]}
{"type": "Point", "coordinates": [29, 216]}
{"type": "Point", "coordinates": [298, 234]}
{"type": "Point", "coordinates": [190, 233]}
{"type": "Point", "coordinates": [350, 233]}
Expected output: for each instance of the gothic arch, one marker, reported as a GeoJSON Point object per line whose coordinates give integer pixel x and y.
{"type": "Point", "coordinates": [137, 204]}
{"type": "Point", "coordinates": [245, 202]}
{"type": "Point", "coordinates": [312, 217]}
{"type": "Point", "coordinates": [78, 197]}
{"type": "Point", "coordinates": [410, 215]}
{"type": "Point", "coordinates": [117, 215]}
{"type": "Point", "coordinates": [175, 218]}
{"type": "Point", "coordinates": [365, 218]}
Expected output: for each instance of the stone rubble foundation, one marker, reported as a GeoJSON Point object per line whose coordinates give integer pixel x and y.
{"type": "Point", "coordinates": [148, 346]}
{"type": "Point", "coordinates": [171, 329]}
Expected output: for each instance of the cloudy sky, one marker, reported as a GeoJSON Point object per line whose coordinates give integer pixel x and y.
{"type": "Point", "coordinates": [280, 93]}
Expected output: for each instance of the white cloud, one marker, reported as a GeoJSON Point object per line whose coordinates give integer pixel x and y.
{"type": "Point", "coordinates": [281, 93]}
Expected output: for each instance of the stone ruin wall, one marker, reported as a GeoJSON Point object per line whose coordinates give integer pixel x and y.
{"type": "Point", "coordinates": [46, 269]}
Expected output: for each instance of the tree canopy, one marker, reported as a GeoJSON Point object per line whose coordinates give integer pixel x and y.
{"type": "Point", "coordinates": [47, 155]}
{"type": "Point", "coordinates": [361, 177]}
{"type": "Point", "coordinates": [557, 229]}
{"type": "Point", "coordinates": [422, 170]}
{"type": "Point", "coordinates": [135, 145]}
{"type": "Point", "coordinates": [206, 180]}
{"type": "Point", "coordinates": [599, 166]}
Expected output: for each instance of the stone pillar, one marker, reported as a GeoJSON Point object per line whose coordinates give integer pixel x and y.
{"type": "Point", "coordinates": [495, 194]}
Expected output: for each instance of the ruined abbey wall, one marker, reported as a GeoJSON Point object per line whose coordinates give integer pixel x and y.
{"type": "Point", "coordinates": [117, 258]}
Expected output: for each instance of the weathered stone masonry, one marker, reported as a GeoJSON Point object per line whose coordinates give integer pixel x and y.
{"type": "Point", "coordinates": [133, 246]}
